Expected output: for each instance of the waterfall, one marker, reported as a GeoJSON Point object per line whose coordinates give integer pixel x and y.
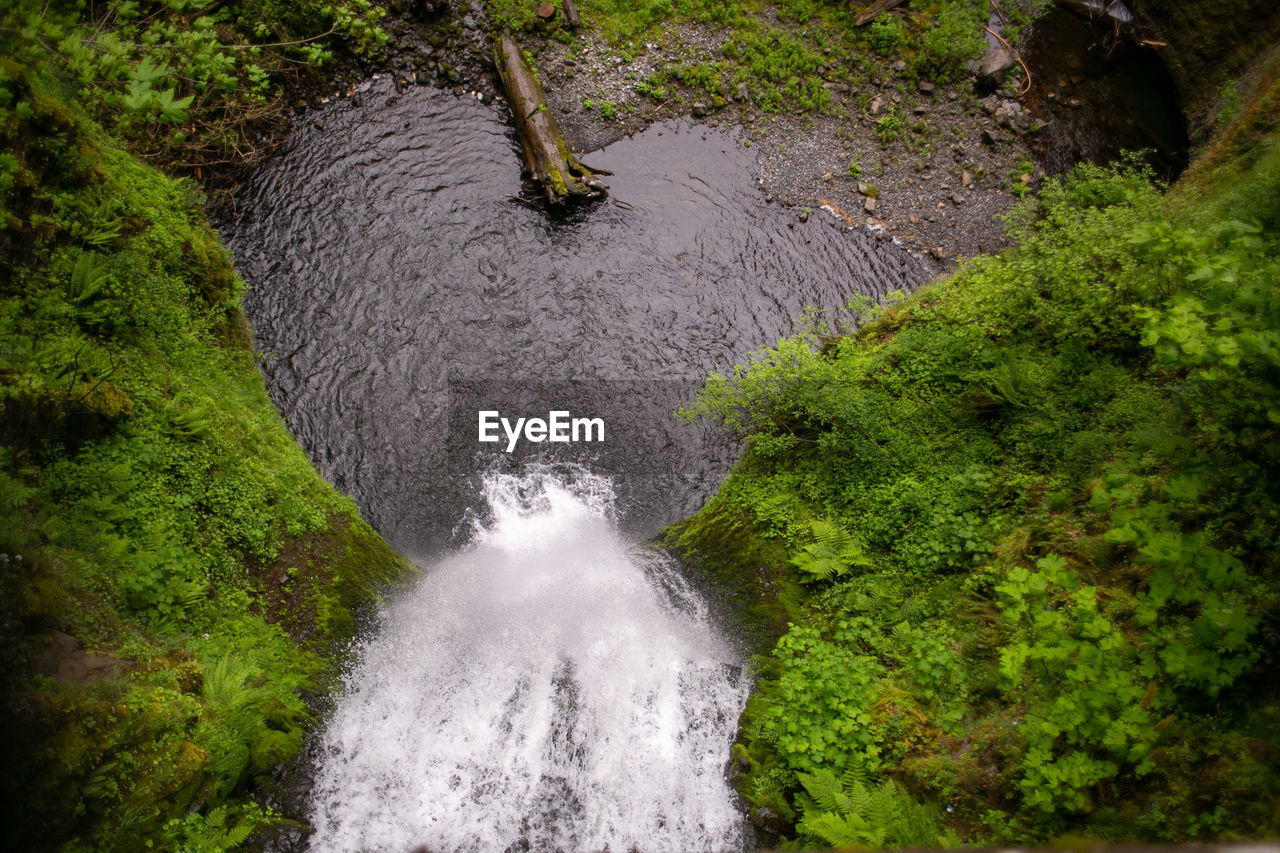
{"type": "Point", "coordinates": [551, 687]}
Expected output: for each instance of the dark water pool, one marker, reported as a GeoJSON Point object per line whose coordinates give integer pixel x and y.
{"type": "Point", "coordinates": [398, 288]}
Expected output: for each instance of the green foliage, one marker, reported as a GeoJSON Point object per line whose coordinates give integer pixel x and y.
{"type": "Point", "coordinates": [848, 811]}
{"type": "Point", "coordinates": [1059, 466]}
{"type": "Point", "coordinates": [152, 500]}
{"type": "Point", "coordinates": [211, 76]}
{"type": "Point", "coordinates": [1084, 723]}
{"type": "Point", "coordinates": [222, 828]}
{"type": "Point", "coordinates": [886, 35]}
{"type": "Point", "coordinates": [955, 38]}
{"type": "Point", "coordinates": [890, 127]}
{"type": "Point", "coordinates": [832, 552]}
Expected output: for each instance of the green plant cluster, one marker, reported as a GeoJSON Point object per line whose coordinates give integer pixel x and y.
{"type": "Point", "coordinates": [787, 54]}
{"type": "Point", "coordinates": [189, 81]}
{"type": "Point", "coordinates": [1034, 511]}
{"type": "Point", "coordinates": [152, 506]}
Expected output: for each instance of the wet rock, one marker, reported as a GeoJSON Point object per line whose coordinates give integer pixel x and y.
{"type": "Point", "coordinates": [993, 67]}
{"type": "Point", "coordinates": [1008, 114]}
{"type": "Point", "coordinates": [62, 657]}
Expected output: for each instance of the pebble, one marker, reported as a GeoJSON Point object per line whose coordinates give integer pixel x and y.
{"type": "Point", "coordinates": [966, 178]}
{"type": "Point", "coordinates": [926, 87]}
{"type": "Point", "coordinates": [869, 205]}
{"type": "Point", "coordinates": [957, 199]}
{"type": "Point", "coordinates": [699, 109]}
{"type": "Point", "coordinates": [804, 216]}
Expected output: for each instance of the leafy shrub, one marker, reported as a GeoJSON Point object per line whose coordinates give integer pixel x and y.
{"type": "Point", "coordinates": [886, 35]}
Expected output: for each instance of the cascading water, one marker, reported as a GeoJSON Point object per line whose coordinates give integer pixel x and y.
{"type": "Point", "coordinates": [548, 688]}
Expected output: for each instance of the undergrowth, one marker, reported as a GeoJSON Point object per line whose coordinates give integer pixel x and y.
{"type": "Point", "coordinates": [1034, 511]}
{"type": "Point", "coordinates": [152, 506]}
{"type": "Point", "coordinates": [786, 55]}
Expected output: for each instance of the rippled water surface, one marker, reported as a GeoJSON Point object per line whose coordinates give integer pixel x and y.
{"type": "Point", "coordinates": [398, 287]}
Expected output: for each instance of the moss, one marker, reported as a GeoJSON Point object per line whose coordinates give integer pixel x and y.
{"type": "Point", "coordinates": [724, 542]}
{"type": "Point", "coordinates": [151, 500]}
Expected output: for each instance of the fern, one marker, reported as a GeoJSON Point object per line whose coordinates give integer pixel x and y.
{"type": "Point", "coordinates": [848, 811]}
{"type": "Point", "coordinates": [832, 553]}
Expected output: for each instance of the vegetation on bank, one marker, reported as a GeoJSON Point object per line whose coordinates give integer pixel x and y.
{"type": "Point", "coordinates": [1018, 530]}
{"type": "Point", "coordinates": [785, 55]}
{"type": "Point", "coordinates": [188, 84]}
{"type": "Point", "coordinates": [153, 506]}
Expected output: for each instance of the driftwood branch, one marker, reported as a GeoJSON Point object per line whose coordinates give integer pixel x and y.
{"type": "Point", "coordinates": [875, 10]}
{"type": "Point", "coordinates": [548, 160]}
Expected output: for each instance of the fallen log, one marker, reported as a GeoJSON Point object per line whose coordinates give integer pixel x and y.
{"type": "Point", "coordinates": [570, 13]}
{"type": "Point", "coordinates": [548, 162]}
{"type": "Point", "coordinates": [875, 10]}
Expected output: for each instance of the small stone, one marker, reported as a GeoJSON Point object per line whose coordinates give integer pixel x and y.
{"type": "Point", "coordinates": [869, 205]}
{"type": "Point", "coordinates": [913, 219]}
{"type": "Point", "coordinates": [742, 93]}
{"type": "Point", "coordinates": [900, 65]}
{"type": "Point", "coordinates": [937, 253]}
{"type": "Point", "coordinates": [804, 216]}
{"type": "Point", "coordinates": [920, 110]}
{"type": "Point", "coordinates": [699, 109]}
{"type": "Point", "coordinates": [966, 178]}
{"type": "Point", "coordinates": [987, 137]}
{"type": "Point", "coordinates": [572, 63]}
{"type": "Point", "coordinates": [826, 176]}
{"type": "Point", "coordinates": [487, 98]}
{"type": "Point", "coordinates": [957, 199]}
{"type": "Point", "coordinates": [876, 105]}
{"type": "Point", "coordinates": [925, 87]}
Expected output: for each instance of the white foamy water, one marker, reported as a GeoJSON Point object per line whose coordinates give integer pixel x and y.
{"type": "Point", "coordinates": [550, 688]}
